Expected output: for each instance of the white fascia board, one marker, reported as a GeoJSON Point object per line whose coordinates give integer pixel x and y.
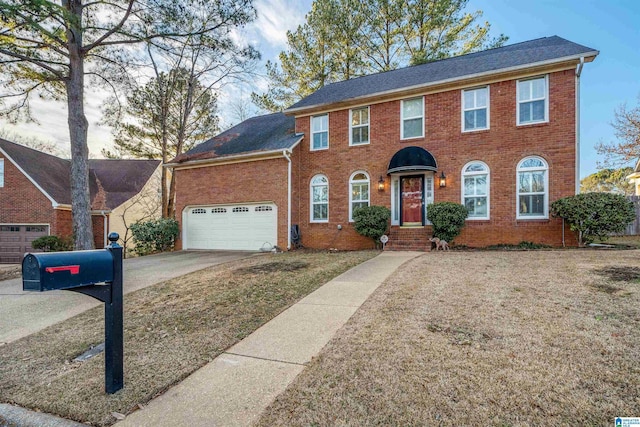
{"type": "Point", "coordinates": [47, 195]}
{"type": "Point", "coordinates": [293, 111]}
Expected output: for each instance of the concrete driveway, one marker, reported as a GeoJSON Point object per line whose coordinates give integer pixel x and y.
{"type": "Point", "coordinates": [23, 313]}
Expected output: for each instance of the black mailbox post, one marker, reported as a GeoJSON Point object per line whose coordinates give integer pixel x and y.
{"type": "Point", "coordinates": [95, 273]}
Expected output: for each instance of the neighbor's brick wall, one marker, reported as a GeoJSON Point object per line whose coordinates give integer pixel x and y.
{"type": "Point", "coordinates": [21, 202]}
{"type": "Point", "coordinates": [501, 148]}
{"type": "Point", "coordinates": [64, 226]}
{"type": "Point", "coordinates": [261, 181]}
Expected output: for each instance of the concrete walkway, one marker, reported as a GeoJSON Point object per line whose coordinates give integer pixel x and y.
{"type": "Point", "coordinates": [23, 313]}
{"type": "Point", "coordinates": [238, 385]}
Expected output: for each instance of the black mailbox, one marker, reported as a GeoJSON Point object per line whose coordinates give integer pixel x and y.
{"type": "Point", "coordinates": [66, 270]}
{"type": "Point", "coordinates": [80, 271]}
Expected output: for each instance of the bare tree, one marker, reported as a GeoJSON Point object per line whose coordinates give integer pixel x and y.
{"type": "Point", "coordinates": [46, 48]}
{"type": "Point", "coordinates": [36, 143]}
{"type": "Point", "coordinates": [626, 123]}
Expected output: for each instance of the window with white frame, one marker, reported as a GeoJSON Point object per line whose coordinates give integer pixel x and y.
{"type": "Point", "coordinates": [533, 188]}
{"type": "Point", "coordinates": [359, 192]}
{"type": "Point", "coordinates": [412, 112]}
{"type": "Point", "coordinates": [475, 109]}
{"type": "Point", "coordinates": [319, 199]}
{"type": "Point", "coordinates": [1, 172]}
{"type": "Point", "coordinates": [320, 132]}
{"type": "Point", "coordinates": [532, 100]}
{"type": "Point", "coordinates": [475, 189]}
{"type": "Point", "coordinates": [359, 124]}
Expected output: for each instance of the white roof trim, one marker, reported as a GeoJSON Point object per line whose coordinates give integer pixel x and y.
{"type": "Point", "coordinates": [53, 202]}
{"type": "Point", "coordinates": [445, 81]}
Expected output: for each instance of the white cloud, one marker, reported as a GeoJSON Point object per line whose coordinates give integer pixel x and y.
{"type": "Point", "coordinates": [276, 17]}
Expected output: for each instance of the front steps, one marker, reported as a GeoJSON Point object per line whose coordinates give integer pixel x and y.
{"type": "Point", "coordinates": [409, 239]}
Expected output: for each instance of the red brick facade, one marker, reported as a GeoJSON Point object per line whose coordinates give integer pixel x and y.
{"type": "Point", "coordinates": [256, 181]}
{"type": "Point", "coordinates": [21, 202]}
{"type": "Point", "coordinates": [501, 148]}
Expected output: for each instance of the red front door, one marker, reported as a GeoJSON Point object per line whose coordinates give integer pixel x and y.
{"type": "Point", "coordinates": [412, 189]}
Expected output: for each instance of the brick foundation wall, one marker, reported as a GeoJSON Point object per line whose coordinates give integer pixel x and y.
{"type": "Point", "coordinates": [259, 181]}
{"type": "Point", "coordinates": [501, 148]}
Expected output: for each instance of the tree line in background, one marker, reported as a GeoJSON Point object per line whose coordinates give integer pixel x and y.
{"type": "Point", "coordinates": [343, 39]}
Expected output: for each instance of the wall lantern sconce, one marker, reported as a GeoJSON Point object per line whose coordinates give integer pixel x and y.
{"type": "Point", "coordinates": [442, 180]}
{"type": "Point", "coordinates": [381, 184]}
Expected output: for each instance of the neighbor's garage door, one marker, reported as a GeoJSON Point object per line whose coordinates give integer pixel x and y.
{"type": "Point", "coordinates": [234, 227]}
{"type": "Point", "coordinates": [15, 240]}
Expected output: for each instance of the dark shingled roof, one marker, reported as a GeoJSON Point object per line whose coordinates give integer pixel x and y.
{"type": "Point", "coordinates": [520, 54]}
{"type": "Point", "coordinates": [270, 132]}
{"type": "Point", "coordinates": [120, 179]}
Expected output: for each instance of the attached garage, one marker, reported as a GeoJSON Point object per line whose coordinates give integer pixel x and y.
{"type": "Point", "coordinates": [246, 227]}
{"type": "Point", "coordinates": [15, 240]}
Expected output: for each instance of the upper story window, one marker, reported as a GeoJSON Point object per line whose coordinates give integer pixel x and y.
{"type": "Point", "coordinates": [533, 188]}
{"type": "Point", "coordinates": [359, 124]}
{"type": "Point", "coordinates": [475, 109]}
{"type": "Point", "coordinates": [1, 172]}
{"type": "Point", "coordinates": [359, 192]}
{"type": "Point", "coordinates": [320, 132]}
{"type": "Point", "coordinates": [533, 105]}
{"type": "Point", "coordinates": [319, 199]}
{"type": "Point", "coordinates": [475, 189]}
{"type": "Point", "coordinates": [412, 118]}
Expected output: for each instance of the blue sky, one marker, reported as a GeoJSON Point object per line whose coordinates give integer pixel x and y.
{"type": "Point", "coordinates": [612, 27]}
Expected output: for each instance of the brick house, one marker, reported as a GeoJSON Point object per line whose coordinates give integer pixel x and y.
{"type": "Point", "coordinates": [497, 131]}
{"type": "Point", "coordinates": [35, 195]}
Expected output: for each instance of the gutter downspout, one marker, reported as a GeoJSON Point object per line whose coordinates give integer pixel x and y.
{"type": "Point", "coordinates": [287, 155]}
{"type": "Point", "coordinates": [578, 72]}
{"type": "Point", "coordinates": [106, 227]}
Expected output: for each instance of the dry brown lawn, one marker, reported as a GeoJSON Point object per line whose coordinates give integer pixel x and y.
{"type": "Point", "coordinates": [479, 338]}
{"type": "Point", "coordinates": [171, 329]}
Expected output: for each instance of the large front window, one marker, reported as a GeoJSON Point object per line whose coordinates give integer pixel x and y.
{"type": "Point", "coordinates": [475, 109]}
{"type": "Point", "coordinates": [320, 132]}
{"type": "Point", "coordinates": [412, 118]}
{"type": "Point", "coordinates": [359, 126]}
{"type": "Point", "coordinates": [532, 100]}
{"type": "Point", "coordinates": [533, 188]}
{"type": "Point", "coordinates": [319, 199]}
{"type": "Point", "coordinates": [475, 189]}
{"type": "Point", "coordinates": [359, 192]}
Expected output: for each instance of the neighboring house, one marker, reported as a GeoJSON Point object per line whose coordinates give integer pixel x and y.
{"type": "Point", "coordinates": [35, 195]}
{"type": "Point", "coordinates": [634, 178]}
{"type": "Point", "coordinates": [495, 130]}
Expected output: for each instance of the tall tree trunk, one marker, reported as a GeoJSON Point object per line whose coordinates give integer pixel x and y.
{"type": "Point", "coordinates": [78, 127]}
{"type": "Point", "coordinates": [171, 207]}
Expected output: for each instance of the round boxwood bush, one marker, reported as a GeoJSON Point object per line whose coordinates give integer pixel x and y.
{"type": "Point", "coordinates": [447, 219]}
{"type": "Point", "coordinates": [52, 244]}
{"type": "Point", "coordinates": [158, 235]}
{"type": "Point", "coordinates": [372, 221]}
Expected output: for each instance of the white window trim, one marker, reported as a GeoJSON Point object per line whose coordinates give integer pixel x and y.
{"type": "Point", "coordinates": [488, 173]}
{"type": "Point", "coordinates": [311, 203]}
{"type": "Point", "coordinates": [546, 101]}
{"type": "Point", "coordinates": [403, 118]}
{"type": "Point", "coordinates": [463, 110]}
{"type": "Point", "coordinates": [351, 127]}
{"type": "Point", "coordinates": [1, 173]}
{"type": "Point", "coordinates": [351, 182]}
{"type": "Point", "coordinates": [546, 188]}
{"type": "Point", "coordinates": [312, 132]}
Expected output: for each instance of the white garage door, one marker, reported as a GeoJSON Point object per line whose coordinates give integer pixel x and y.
{"type": "Point", "coordinates": [232, 227]}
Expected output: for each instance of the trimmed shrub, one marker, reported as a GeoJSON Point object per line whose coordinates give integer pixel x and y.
{"type": "Point", "coordinates": [158, 235]}
{"type": "Point", "coordinates": [447, 219]}
{"type": "Point", "coordinates": [52, 244]}
{"type": "Point", "coordinates": [372, 221]}
{"type": "Point", "coordinates": [594, 215]}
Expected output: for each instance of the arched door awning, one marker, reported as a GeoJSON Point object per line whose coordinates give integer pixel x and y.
{"type": "Point", "coordinates": [412, 159]}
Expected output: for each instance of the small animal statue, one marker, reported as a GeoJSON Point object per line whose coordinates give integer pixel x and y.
{"type": "Point", "coordinates": [440, 244]}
